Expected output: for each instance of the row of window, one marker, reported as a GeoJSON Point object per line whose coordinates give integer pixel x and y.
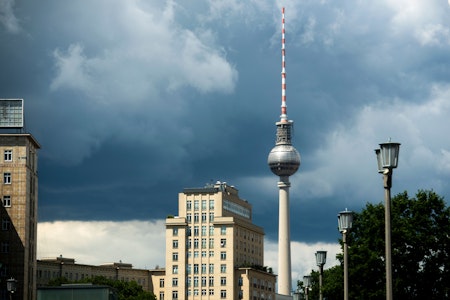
{"type": "Point", "coordinates": [196, 267]}
{"type": "Point", "coordinates": [196, 243]}
{"type": "Point", "coordinates": [197, 202]}
{"type": "Point", "coordinates": [198, 281]}
{"type": "Point", "coordinates": [197, 217]}
{"type": "Point", "coordinates": [195, 292]}
{"type": "Point", "coordinates": [205, 230]}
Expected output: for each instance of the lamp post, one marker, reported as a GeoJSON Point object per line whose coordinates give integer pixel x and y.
{"type": "Point", "coordinates": [321, 259]}
{"type": "Point", "coordinates": [11, 286]}
{"type": "Point", "coordinates": [307, 284]}
{"type": "Point", "coordinates": [387, 158]}
{"type": "Point", "coordinates": [345, 220]}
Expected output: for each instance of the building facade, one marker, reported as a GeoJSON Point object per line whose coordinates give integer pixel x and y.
{"type": "Point", "coordinates": [49, 269]}
{"type": "Point", "coordinates": [213, 249]}
{"type": "Point", "coordinates": [18, 214]}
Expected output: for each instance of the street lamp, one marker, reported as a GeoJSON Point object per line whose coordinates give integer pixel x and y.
{"type": "Point", "coordinates": [387, 159]}
{"type": "Point", "coordinates": [345, 220]}
{"type": "Point", "coordinates": [307, 284]}
{"type": "Point", "coordinates": [321, 259]}
{"type": "Point", "coordinates": [11, 286]}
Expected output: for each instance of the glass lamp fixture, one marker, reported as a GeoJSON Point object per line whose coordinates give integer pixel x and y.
{"type": "Point", "coordinates": [321, 258]}
{"type": "Point", "coordinates": [388, 157]}
{"type": "Point", "coordinates": [345, 220]}
{"type": "Point", "coordinates": [11, 285]}
{"type": "Point", "coordinates": [307, 281]}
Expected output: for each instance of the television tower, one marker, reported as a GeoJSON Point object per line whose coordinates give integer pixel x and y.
{"type": "Point", "coordinates": [284, 161]}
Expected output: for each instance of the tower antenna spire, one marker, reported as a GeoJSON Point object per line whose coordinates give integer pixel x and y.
{"type": "Point", "coordinates": [284, 161]}
{"type": "Point", "coordinates": [283, 70]}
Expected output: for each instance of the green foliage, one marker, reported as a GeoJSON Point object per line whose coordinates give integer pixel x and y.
{"type": "Point", "coordinates": [420, 251]}
{"type": "Point", "coordinates": [126, 290]}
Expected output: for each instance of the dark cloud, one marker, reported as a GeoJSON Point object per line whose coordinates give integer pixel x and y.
{"type": "Point", "coordinates": [134, 101]}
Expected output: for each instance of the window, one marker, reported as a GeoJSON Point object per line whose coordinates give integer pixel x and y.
{"type": "Point", "coordinates": [195, 217]}
{"type": "Point", "coordinates": [189, 243]}
{"type": "Point", "coordinates": [211, 292]}
{"type": "Point", "coordinates": [203, 292]}
{"type": "Point", "coordinates": [196, 292]}
{"type": "Point", "coordinates": [174, 282]}
{"type": "Point", "coordinates": [175, 231]}
{"type": "Point", "coordinates": [175, 269]}
{"type": "Point", "coordinates": [7, 178]}
{"type": "Point", "coordinates": [211, 216]}
{"type": "Point", "coordinates": [188, 281]}
{"type": "Point", "coordinates": [7, 201]}
{"type": "Point", "coordinates": [195, 281]}
{"type": "Point", "coordinates": [175, 256]}
{"type": "Point", "coordinates": [195, 230]}
{"type": "Point", "coordinates": [4, 248]}
{"type": "Point", "coordinates": [204, 230]}
{"type": "Point", "coordinates": [188, 205]}
{"type": "Point", "coordinates": [189, 217]}
{"type": "Point", "coordinates": [223, 255]}
{"type": "Point", "coordinates": [211, 268]}
{"type": "Point", "coordinates": [223, 294]}
{"type": "Point", "coordinates": [188, 269]}
{"type": "Point", "coordinates": [161, 296]}
{"type": "Point", "coordinates": [211, 204]}
{"type": "Point", "coordinates": [211, 253]}
{"type": "Point", "coordinates": [161, 282]}
{"type": "Point", "coordinates": [203, 204]}
{"type": "Point", "coordinates": [223, 281]}
{"type": "Point", "coordinates": [211, 280]}
{"type": "Point", "coordinates": [203, 268]}
{"type": "Point", "coordinates": [211, 242]}
{"type": "Point", "coordinates": [175, 244]}
{"type": "Point", "coordinates": [203, 217]}
{"type": "Point", "coordinates": [6, 224]}
{"type": "Point", "coordinates": [203, 253]}
{"type": "Point", "coordinates": [203, 243]}
{"type": "Point", "coordinates": [203, 280]}
{"type": "Point", "coordinates": [196, 243]}
{"type": "Point", "coordinates": [174, 294]}
{"type": "Point", "coordinates": [240, 281]}
{"type": "Point", "coordinates": [195, 204]}
{"type": "Point", "coordinates": [195, 268]}
{"type": "Point", "coordinates": [195, 253]}
{"type": "Point", "coordinates": [223, 268]}
{"type": "Point", "coordinates": [223, 230]}
{"type": "Point", "coordinates": [223, 242]}
{"type": "Point", "coordinates": [189, 254]}
{"type": "Point", "coordinates": [211, 230]}
{"type": "Point", "coordinates": [8, 155]}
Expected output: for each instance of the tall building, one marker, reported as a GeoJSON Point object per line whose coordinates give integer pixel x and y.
{"type": "Point", "coordinates": [18, 214]}
{"type": "Point", "coordinates": [284, 161]}
{"type": "Point", "coordinates": [213, 249]}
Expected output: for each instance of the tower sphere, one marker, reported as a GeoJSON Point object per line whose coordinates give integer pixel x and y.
{"type": "Point", "coordinates": [284, 160]}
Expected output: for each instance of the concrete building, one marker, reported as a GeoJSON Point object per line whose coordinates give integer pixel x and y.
{"type": "Point", "coordinates": [213, 249]}
{"type": "Point", "coordinates": [18, 214]}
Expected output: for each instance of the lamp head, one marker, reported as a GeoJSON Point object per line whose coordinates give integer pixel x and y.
{"type": "Point", "coordinates": [387, 156]}
{"type": "Point", "coordinates": [321, 258]}
{"type": "Point", "coordinates": [345, 220]}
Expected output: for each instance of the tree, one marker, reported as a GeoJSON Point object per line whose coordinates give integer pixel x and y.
{"type": "Point", "coordinates": [420, 251]}
{"type": "Point", "coordinates": [126, 290]}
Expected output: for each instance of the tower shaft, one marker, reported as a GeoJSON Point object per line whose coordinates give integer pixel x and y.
{"type": "Point", "coordinates": [284, 238]}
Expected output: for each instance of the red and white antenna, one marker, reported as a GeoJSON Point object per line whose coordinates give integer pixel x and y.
{"type": "Point", "coordinates": [283, 72]}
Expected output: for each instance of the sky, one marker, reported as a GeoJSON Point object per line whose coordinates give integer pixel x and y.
{"type": "Point", "coordinates": [132, 101]}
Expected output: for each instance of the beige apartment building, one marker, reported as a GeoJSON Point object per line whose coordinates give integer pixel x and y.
{"type": "Point", "coordinates": [18, 214]}
{"type": "Point", "coordinates": [213, 249]}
